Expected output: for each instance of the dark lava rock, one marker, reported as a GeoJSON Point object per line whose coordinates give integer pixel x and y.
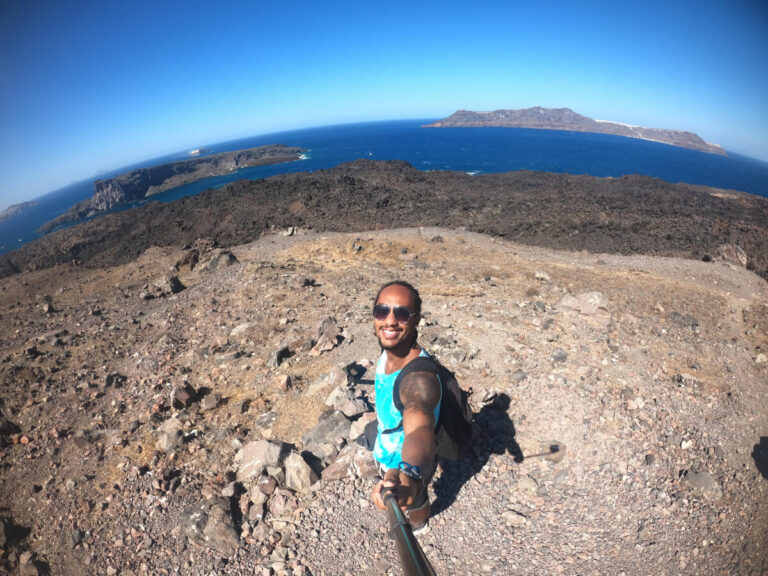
{"type": "Point", "coordinates": [628, 215]}
{"type": "Point", "coordinates": [183, 395]}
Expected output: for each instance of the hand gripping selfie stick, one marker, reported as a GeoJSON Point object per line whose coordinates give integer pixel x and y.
{"type": "Point", "coordinates": [412, 557]}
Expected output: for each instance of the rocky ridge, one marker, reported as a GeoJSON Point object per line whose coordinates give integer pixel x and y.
{"type": "Point", "coordinates": [629, 215]}
{"type": "Point", "coordinates": [566, 119]}
{"type": "Point", "coordinates": [145, 182]}
{"type": "Point", "coordinates": [201, 410]}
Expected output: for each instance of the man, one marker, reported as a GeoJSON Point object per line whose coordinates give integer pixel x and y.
{"type": "Point", "coordinates": [405, 443]}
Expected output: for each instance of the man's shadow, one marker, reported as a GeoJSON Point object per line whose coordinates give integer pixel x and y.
{"type": "Point", "coordinates": [494, 433]}
{"type": "Point", "coordinates": [760, 456]}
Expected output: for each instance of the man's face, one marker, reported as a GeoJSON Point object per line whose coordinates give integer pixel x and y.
{"type": "Point", "coordinates": [392, 334]}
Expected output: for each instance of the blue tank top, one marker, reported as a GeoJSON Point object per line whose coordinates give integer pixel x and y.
{"type": "Point", "coordinates": [390, 435]}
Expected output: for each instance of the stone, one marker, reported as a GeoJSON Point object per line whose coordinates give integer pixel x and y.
{"type": "Point", "coordinates": [558, 355]}
{"type": "Point", "coordinates": [255, 456]}
{"type": "Point", "coordinates": [298, 475]}
{"type": "Point", "coordinates": [283, 382]}
{"type": "Point", "coordinates": [266, 485]}
{"type": "Point", "coordinates": [732, 254]}
{"type": "Point", "coordinates": [341, 467]}
{"type": "Point", "coordinates": [761, 358]}
{"type": "Point", "coordinates": [217, 259]}
{"type": "Point", "coordinates": [363, 464]}
{"type": "Point", "coordinates": [115, 379]}
{"type": "Point", "coordinates": [518, 376]}
{"type": "Point", "coordinates": [704, 484]}
{"type": "Point", "coordinates": [335, 378]}
{"type": "Point", "coordinates": [358, 427]}
{"type": "Point", "coordinates": [328, 336]}
{"type": "Point", "coordinates": [587, 303]}
{"type": "Point", "coordinates": [211, 525]}
{"type": "Point", "coordinates": [514, 519]}
{"type": "Point", "coordinates": [183, 395]}
{"type": "Point", "coordinates": [169, 284]}
{"type": "Point", "coordinates": [331, 425]}
{"type": "Point", "coordinates": [210, 401]}
{"type": "Point", "coordinates": [75, 538]}
{"type": "Point", "coordinates": [543, 276]}
{"type": "Point", "coordinates": [243, 333]}
{"type": "Point", "coordinates": [281, 502]}
{"type": "Point", "coordinates": [355, 407]}
{"type": "Point", "coordinates": [525, 485]}
{"type": "Point", "coordinates": [344, 400]}
{"type": "Point", "coordinates": [170, 435]}
{"type": "Point", "coordinates": [353, 461]}
{"type": "Point", "coordinates": [277, 356]}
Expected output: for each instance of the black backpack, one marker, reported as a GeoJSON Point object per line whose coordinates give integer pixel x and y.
{"type": "Point", "coordinates": [454, 425]}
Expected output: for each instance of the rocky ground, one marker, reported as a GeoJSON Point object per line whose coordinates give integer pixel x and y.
{"type": "Point", "coordinates": [169, 415]}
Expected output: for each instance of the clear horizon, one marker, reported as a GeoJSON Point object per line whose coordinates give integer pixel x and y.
{"type": "Point", "coordinates": [95, 86]}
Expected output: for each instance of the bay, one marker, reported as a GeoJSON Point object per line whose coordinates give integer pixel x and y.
{"type": "Point", "coordinates": [472, 150]}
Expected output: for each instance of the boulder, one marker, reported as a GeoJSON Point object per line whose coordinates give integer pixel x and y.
{"type": "Point", "coordinates": [183, 395]}
{"type": "Point", "coordinates": [242, 333]}
{"type": "Point", "coordinates": [336, 377]}
{"type": "Point", "coordinates": [169, 436]}
{"type": "Point", "coordinates": [211, 525]}
{"type": "Point", "coordinates": [298, 475]}
{"type": "Point", "coordinates": [328, 336]}
{"type": "Point", "coordinates": [217, 259]}
{"type": "Point", "coordinates": [360, 426]}
{"type": "Point", "coordinates": [587, 303]}
{"type": "Point", "coordinates": [330, 431]}
{"type": "Point", "coordinates": [255, 456]}
{"type": "Point", "coordinates": [352, 462]}
{"type": "Point", "coordinates": [277, 356]}
{"type": "Point", "coordinates": [732, 254]}
{"type": "Point", "coordinates": [169, 285]}
{"type": "Point", "coordinates": [282, 502]}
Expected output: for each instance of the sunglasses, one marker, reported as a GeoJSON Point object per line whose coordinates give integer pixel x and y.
{"type": "Point", "coordinates": [402, 314]}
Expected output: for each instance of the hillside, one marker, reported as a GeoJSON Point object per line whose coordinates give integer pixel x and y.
{"type": "Point", "coordinates": [567, 119]}
{"type": "Point", "coordinates": [129, 390]}
{"type": "Point", "coordinates": [629, 215]}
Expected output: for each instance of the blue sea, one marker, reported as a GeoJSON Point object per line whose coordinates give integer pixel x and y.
{"type": "Point", "coordinates": [472, 150]}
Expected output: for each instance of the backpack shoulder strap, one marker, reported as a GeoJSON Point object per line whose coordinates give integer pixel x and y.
{"type": "Point", "coordinates": [419, 364]}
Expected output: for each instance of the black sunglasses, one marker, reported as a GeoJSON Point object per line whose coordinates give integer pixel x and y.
{"type": "Point", "coordinates": [402, 314]}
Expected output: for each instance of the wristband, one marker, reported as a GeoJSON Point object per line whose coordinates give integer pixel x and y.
{"type": "Point", "coordinates": [410, 470]}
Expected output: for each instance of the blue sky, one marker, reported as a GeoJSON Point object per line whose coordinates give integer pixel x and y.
{"type": "Point", "coordinates": [94, 85]}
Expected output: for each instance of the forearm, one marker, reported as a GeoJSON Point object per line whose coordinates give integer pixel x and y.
{"type": "Point", "coordinates": [419, 447]}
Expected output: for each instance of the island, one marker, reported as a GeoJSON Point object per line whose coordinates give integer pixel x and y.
{"type": "Point", "coordinates": [566, 119]}
{"type": "Point", "coordinates": [14, 209]}
{"type": "Point", "coordinates": [142, 183]}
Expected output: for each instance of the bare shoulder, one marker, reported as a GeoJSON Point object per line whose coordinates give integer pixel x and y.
{"type": "Point", "coordinates": [420, 391]}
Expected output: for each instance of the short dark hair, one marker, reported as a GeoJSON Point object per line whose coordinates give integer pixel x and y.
{"type": "Point", "coordinates": [407, 286]}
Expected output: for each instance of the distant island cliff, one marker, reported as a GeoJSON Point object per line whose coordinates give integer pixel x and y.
{"type": "Point", "coordinates": [567, 119]}
{"type": "Point", "coordinates": [14, 209]}
{"type": "Point", "coordinates": [144, 182]}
